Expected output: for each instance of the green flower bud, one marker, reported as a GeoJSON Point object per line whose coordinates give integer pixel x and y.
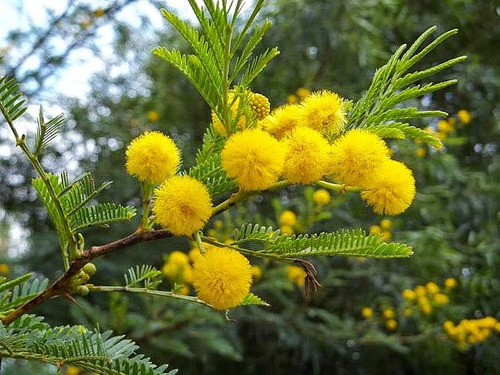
{"type": "Point", "coordinates": [82, 290]}
{"type": "Point", "coordinates": [90, 269]}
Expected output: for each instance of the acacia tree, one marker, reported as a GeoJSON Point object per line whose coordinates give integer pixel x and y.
{"type": "Point", "coordinates": [326, 141]}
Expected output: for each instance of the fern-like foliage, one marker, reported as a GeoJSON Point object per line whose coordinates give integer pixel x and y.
{"type": "Point", "coordinates": [342, 243]}
{"type": "Point", "coordinates": [47, 131]}
{"type": "Point", "coordinates": [208, 167]}
{"type": "Point", "coordinates": [145, 276]}
{"type": "Point", "coordinates": [378, 109]}
{"type": "Point", "coordinates": [73, 198]}
{"type": "Point", "coordinates": [30, 338]}
{"type": "Point", "coordinates": [16, 292]}
{"type": "Point", "coordinates": [221, 53]}
{"type": "Point", "coordinates": [12, 103]}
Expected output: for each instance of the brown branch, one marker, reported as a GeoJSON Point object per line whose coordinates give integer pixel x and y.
{"type": "Point", "coordinates": [61, 285]}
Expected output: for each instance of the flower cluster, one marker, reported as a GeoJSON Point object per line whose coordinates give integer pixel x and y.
{"type": "Point", "coordinates": [288, 220]}
{"type": "Point", "coordinates": [296, 275]}
{"type": "Point", "coordinates": [387, 317]}
{"type": "Point", "coordinates": [178, 270]}
{"type": "Point", "coordinates": [300, 94]}
{"type": "Point", "coordinates": [293, 143]}
{"type": "Point", "coordinates": [471, 331]}
{"type": "Point", "coordinates": [427, 297]}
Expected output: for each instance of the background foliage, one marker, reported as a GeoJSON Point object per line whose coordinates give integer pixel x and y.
{"type": "Point", "coordinates": [452, 226]}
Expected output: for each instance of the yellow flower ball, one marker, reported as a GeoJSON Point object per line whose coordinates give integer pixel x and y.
{"type": "Point", "coordinates": [194, 254]}
{"type": "Point", "coordinates": [178, 257]}
{"type": "Point", "coordinates": [420, 152]}
{"type": "Point", "coordinates": [409, 294]}
{"type": "Point", "coordinates": [254, 158]}
{"type": "Point", "coordinates": [391, 189]}
{"type": "Point", "coordinates": [260, 105]}
{"type": "Point", "coordinates": [367, 312]}
{"type": "Point", "coordinates": [286, 229]}
{"type": "Point", "coordinates": [72, 370]}
{"type": "Point", "coordinates": [283, 120]}
{"type": "Point", "coordinates": [322, 197]}
{"type": "Point", "coordinates": [4, 269]}
{"type": "Point", "coordinates": [464, 116]}
{"type": "Point", "coordinates": [152, 157]}
{"type": "Point", "coordinates": [324, 111]}
{"type": "Point", "coordinates": [375, 229]}
{"type": "Point", "coordinates": [356, 156]}
{"type": "Point", "coordinates": [288, 218]}
{"type": "Point", "coordinates": [441, 299]}
{"type": "Point", "coordinates": [391, 324]}
{"type": "Point", "coordinates": [296, 275]}
{"type": "Point", "coordinates": [222, 277]}
{"type": "Point", "coordinates": [256, 272]}
{"type": "Point", "coordinates": [444, 126]}
{"type": "Point", "coordinates": [292, 99]}
{"type": "Point", "coordinates": [307, 156]}
{"type": "Point", "coordinates": [388, 314]}
{"type": "Point", "coordinates": [420, 290]}
{"type": "Point", "coordinates": [153, 116]}
{"type": "Point", "coordinates": [432, 287]}
{"type": "Point", "coordinates": [386, 224]}
{"type": "Point", "coordinates": [171, 270]}
{"type": "Point", "coordinates": [303, 92]}
{"type": "Point", "coordinates": [386, 235]}
{"type": "Point", "coordinates": [182, 205]}
{"type": "Point", "coordinates": [450, 283]}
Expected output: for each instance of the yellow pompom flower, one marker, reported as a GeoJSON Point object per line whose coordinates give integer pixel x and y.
{"type": "Point", "coordinates": [324, 111]}
{"type": "Point", "coordinates": [386, 224]}
{"type": "Point", "coordinates": [283, 120]}
{"type": "Point", "coordinates": [288, 218]}
{"type": "Point", "coordinates": [256, 272]}
{"type": "Point", "coordinates": [303, 92]}
{"type": "Point", "coordinates": [72, 370]}
{"type": "Point", "coordinates": [409, 294]}
{"type": "Point", "coordinates": [388, 314]}
{"type": "Point", "coordinates": [286, 229]}
{"type": "Point", "coordinates": [153, 116]}
{"type": "Point", "coordinates": [254, 158]}
{"type": "Point", "coordinates": [367, 312]}
{"type": "Point", "coordinates": [292, 99]}
{"type": "Point", "coordinates": [432, 287]}
{"type": "Point", "coordinates": [375, 229]}
{"type": "Point", "coordinates": [444, 126]}
{"type": "Point", "coordinates": [307, 156]}
{"type": "Point", "coordinates": [194, 254]}
{"type": "Point", "coordinates": [222, 277]}
{"type": "Point", "coordinates": [182, 205]}
{"type": "Point", "coordinates": [260, 105]}
{"type": "Point", "coordinates": [391, 189]}
{"type": "Point", "coordinates": [391, 324]}
{"type": "Point", "coordinates": [450, 283]}
{"type": "Point", "coordinates": [322, 197]}
{"type": "Point", "coordinates": [4, 269]}
{"type": "Point", "coordinates": [420, 152]}
{"type": "Point", "coordinates": [152, 157]}
{"type": "Point", "coordinates": [464, 116]}
{"type": "Point", "coordinates": [296, 275]}
{"type": "Point", "coordinates": [178, 257]}
{"type": "Point", "coordinates": [386, 235]}
{"type": "Point", "coordinates": [420, 290]}
{"type": "Point", "coordinates": [441, 299]}
{"type": "Point", "coordinates": [356, 156]}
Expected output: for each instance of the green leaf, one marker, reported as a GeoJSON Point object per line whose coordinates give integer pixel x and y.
{"type": "Point", "coordinates": [12, 103]}
{"type": "Point", "coordinates": [252, 299]}
{"type": "Point", "coordinates": [100, 215]}
{"type": "Point", "coordinates": [145, 276]}
{"type": "Point", "coordinates": [47, 131]}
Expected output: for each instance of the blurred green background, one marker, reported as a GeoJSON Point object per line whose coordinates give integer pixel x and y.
{"type": "Point", "coordinates": [325, 44]}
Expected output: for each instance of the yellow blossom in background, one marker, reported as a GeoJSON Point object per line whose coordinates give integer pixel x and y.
{"type": "Point", "coordinates": [283, 120]}
{"type": "Point", "coordinates": [194, 254]}
{"type": "Point", "coordinates": [420, 152]}
{"type": "Point", "coordinates": [256, 272]}
{"type": "Point", "coordinates": [324, 111]}
{"type": "Point", "coordinates": [288, 218]}
{"type": "Point", "coordinates": [441, 299]}
{"type": "Point", "coordinates": [322, 197]}
{"type": "Point", "coordinates": [375, 229]}
{"type": "Point", "coordinates": [409, 294]}
{"type": "Point", "coordinates": [367, 312]}
{"type": "Point", "coordinates": [303, 92]}
{"type": "Point", "coordinates": [222, 277]}
{"type": "Point", "coordinates": [432, 287]}
{"type": "Point", "coordinates": [183, 290]}
{"type": "Point", "coordinates": [260, 105]}
{"type": "Point", "coordinates": [178, 257]}
{"type": "Point", "coordinates": [446, 127]}
{"type": "Point", "coordinates": [152, 157]}
{"type": "Point", "coordinates": [72, 370]}
{"type": "Point", "coordinates": [464, 116]}
{"type": "Point", "coordinates": [356, 156]}
{"type": "Point", "coordinates": [391, 324]}
{"type": "Point", "coordinates": [296, 275]}
{"type": "Point", "coordinates": [182, 205]}
{"type": "Point", "coordinates": [286, 229]}
{"type": "Point", "coordinates": [386, 235]}
{"type": "Point", "coordinates": [388, 314]}
{"type": "Point", "coordinates": [292, 99]}
{"type": "Point", "coordinates": [4, 269]}
{"type": "Point", "coordinates": [450, 283]}
{"type": "Point", "coordinates": [99, 12]}
{"type": "Point", "coordinates": [471, 331]}
{"type": "Point", "coordinates": [391, 189]}
{"type": "Point", "coordinates": [420, 290]}
{"type": "Point", "coordinates": [307, 156]}
{"type": "Point", "coordinates": [386, 224]}
{"type": "Point", "coordinates": [153, 116]}
{"type": "Point", "coordinates": [424, 305]}
{"type": "Point", "coordinates": [254, 158]}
